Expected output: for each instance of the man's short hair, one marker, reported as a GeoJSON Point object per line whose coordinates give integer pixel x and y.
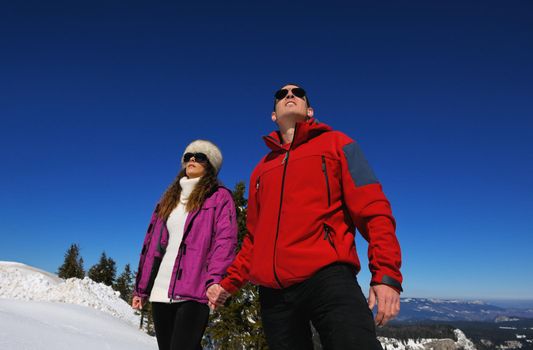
{"type": "Point", "coordinates": [306, 97]}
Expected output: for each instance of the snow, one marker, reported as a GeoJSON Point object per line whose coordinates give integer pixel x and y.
{"type": "Point", "coordinates": [487, 343]}
{"type": "Point", "coordinates": [410, 344]}
{"type": "Point", "coordinates": [463, 341]}
{"type": "Point", "coordinates": [22, 282]}
{"type": "Point", "coordinates": [510, 344]}
{"type": "Point", "coordinates": [45, 325]}
{"type": "Point", "coordinates": [38, 311]}
{"type": "Point", "coordinates": [421, 344]}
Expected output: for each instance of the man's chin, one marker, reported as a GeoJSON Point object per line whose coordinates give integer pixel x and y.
{"type": "Point", "coordinates": [291, 118]}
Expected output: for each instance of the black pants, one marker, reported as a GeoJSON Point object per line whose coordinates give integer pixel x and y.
{"type": "Point", "coordinates": [332, 300]}
{"type": "Point", "coordinates": [180, 325]}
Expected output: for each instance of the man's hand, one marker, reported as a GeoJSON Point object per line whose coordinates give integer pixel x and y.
{"type": "Point", "coordinates": [217, 296]}
{"type": "Point", "coordinates": [388, 300]}
{"type": "Point", "coordinates": [137, 303]}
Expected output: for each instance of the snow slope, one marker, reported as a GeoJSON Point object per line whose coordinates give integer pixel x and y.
{"type": "Point", "coordinates": [41, 325]}
{"type": "Point", "coordinates": [23, 282]}
{"type": "Point", "coordinates": [38, 310]}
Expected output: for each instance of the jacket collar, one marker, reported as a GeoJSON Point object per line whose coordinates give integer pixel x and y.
{"type": "Point", "coordinates": [303, 132]}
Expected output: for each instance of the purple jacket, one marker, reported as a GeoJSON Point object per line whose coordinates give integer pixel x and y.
{"type": "Point", "coordinates": [206, 250]}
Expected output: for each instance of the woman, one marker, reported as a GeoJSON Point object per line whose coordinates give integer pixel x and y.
{"type": "Point", "coordinates": [190, 242]}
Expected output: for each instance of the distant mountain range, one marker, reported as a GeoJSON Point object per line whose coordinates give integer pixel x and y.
{"type": "Point", "coordinates": [422, 309]}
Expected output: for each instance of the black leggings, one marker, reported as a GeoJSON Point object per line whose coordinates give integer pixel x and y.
{"type": "Point", "coordinates": [180, 325]}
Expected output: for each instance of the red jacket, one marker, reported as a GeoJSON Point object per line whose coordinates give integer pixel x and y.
{"type": "Point", "coordinates": [305, 201]}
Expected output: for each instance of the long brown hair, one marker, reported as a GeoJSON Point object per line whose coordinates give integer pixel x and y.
{"type": "Point", "coordinates": [204, 188]}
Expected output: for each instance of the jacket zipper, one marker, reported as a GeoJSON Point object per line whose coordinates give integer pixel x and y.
{"type": "Point", "coordinates": [181, 252]}
{"type": "Point", "coordinates": [285, 162]}
{"type": "Point", "coordinates": [325, 170]}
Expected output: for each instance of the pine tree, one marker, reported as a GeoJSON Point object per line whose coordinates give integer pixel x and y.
{"type": "Point", "coordinates": [124, 284]}
{"type": "Point", "coordinates": [103, 272]}
{"type": "Point", "coordinates": [73, 264]}
{"type": "Point", "coordinates": [147, 321]}
{"type": "Point", "coordinates": [238, 325]}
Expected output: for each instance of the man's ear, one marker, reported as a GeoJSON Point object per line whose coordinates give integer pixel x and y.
{"type": "Point", "coordinates": [274, 117]}
{"type": "Point", "coordinates": [310, 112]}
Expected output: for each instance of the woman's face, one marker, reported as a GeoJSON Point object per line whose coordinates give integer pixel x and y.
{"type": "Point", "coordinates": [194, 169]}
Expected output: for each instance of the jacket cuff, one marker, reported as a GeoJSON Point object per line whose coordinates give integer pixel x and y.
{"type": "Point", "coordinates": [212, 280]}
{"type": "Point", "coordinates": [389, 281]}
{"type": "Point", "coordinates": [225, 283]}
{"type": "Point", "coordinates": [140, 295]}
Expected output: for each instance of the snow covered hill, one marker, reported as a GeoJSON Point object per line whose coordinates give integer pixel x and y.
{"type": "Point", "coordinates": [38, 310]}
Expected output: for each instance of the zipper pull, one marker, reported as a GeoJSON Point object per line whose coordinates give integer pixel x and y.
{"type": "Point", "coordinates": [285, 158]}
{"type": "Point", "coordinates": [257, 184]}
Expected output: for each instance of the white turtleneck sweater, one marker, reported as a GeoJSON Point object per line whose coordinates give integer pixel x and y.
{"type": "Point", "coordinates": [175, 226]}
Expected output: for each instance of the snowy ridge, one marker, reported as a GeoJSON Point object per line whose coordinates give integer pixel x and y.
{"type": "Point", "coordinates": [23, 282]}
{"type": "Point", "coordinates": [40, 311]}
{"type": "Point", "coordinates": [428, 343]}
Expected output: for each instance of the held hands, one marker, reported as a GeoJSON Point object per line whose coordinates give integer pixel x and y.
{"type": "Point", "coordinates": [388, 300]}
{"type": "Point", "coordinates": [137, 303]}
{"type": "Point", "coordinates": [217, 296]}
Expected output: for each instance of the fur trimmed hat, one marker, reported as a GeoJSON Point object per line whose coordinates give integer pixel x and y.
{"type": "Point", "coordinates": [209, 149]}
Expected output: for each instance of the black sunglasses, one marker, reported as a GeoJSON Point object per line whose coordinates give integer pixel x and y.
{"type": "Point", "coordinates": [198, 157]}
{"type": "Point", "coordinates": [281, 93]}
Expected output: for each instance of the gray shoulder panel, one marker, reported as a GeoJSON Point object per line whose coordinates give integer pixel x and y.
{"type": "Point", "coordinates": [361, 172]}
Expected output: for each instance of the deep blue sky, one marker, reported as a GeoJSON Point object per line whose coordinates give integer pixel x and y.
{"type": "Point", "coordinates": [99, 98]}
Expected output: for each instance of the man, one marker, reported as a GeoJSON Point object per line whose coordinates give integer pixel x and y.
{"type": "Point", "coordinates": [307, 197]}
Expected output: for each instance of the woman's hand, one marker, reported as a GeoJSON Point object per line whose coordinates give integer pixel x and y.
{"type": "Point", "coordinates": [217, 295]}
{"type": "Point", "coordinates": [137, 303]}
